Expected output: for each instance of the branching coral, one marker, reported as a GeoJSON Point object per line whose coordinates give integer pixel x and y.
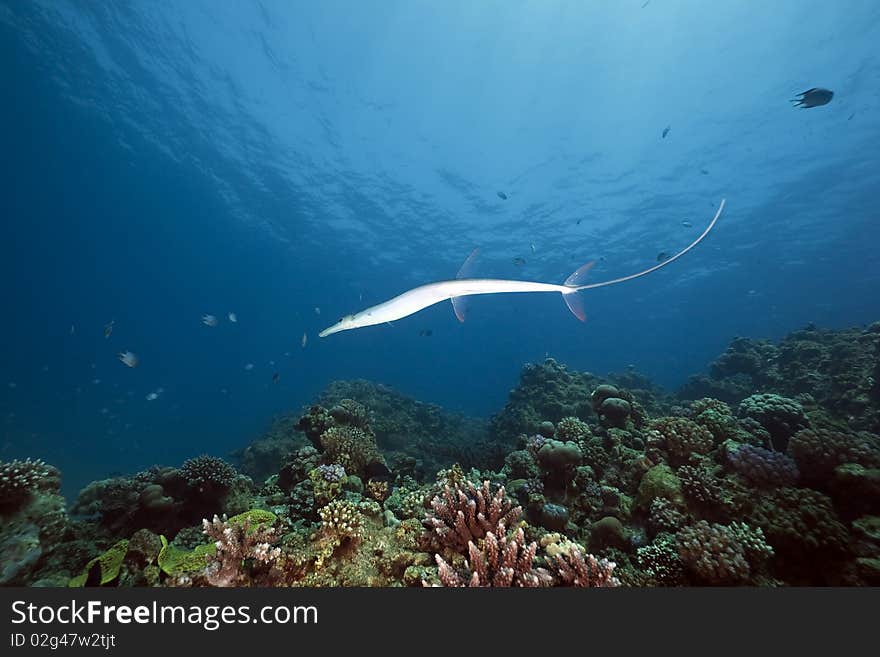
{"type": "Point", "coordinates": [701, 486]}
{"type": "Point", "coordinates": [574, 429]}
{"type": "Point", "coordinates": [352, 447]}
{"type": "Point", "coordinates": [718, 554]}
{"type": "Point", "coordinates": [342, 524]}
{"type": "Point", "coordinates": [571, 565]}
{"type": "Point", "coordinates": [208, 473]}
{"type": "Point", "coordinates": [465, 513]}
{"type": "Point", "coordinates": [660, 561]}
{"type": "Point", "coordinates": [240, 546]}
{"type": "Point", "coordinates": [502, 561]}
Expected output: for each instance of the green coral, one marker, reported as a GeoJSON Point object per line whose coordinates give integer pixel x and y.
{"type": "Point", "coordinates": [660, 482]}
{"type": "Point", "coordinates": [109, 565]}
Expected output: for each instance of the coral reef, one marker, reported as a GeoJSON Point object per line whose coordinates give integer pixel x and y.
{"type": "Point", "coordinates": [765, 471]}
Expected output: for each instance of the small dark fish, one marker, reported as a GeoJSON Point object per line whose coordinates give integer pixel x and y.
{"type": "Point", "coordinates": [502, 196]}
{"type": "Point", "coordinates": [666, 131]}
{"type": "Point", "coordinates": [647, 2]}
{"type": "Point", "coordinates": [813, 98]}
{"type": "Point", "coordinates": [850, 117]}
{"type": "Point", "coordinates": [519, 262]}
{"type": "Point", "coordinates": [276, 377]}
{"type": "Point", "coordinates": [427, 333]}
{"type": "Point", "coordinates": [108, 328]}
{"type": "Point", "coordinates": [663, 256]}
{"type": "Point", "coordinates": [578, 222]}
{"type": "Point", "coordinates": [704, 172]}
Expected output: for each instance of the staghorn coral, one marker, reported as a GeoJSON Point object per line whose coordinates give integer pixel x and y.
{"type": "Point", "coordinates": [465, 513]}
{"type": "Point", "coordinates": [682, 437]}
{"type": "Point", "coordinates": [503, 561]}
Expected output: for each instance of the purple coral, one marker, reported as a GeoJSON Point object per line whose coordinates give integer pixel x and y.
{"type": "Point", "coordinates": [332, 473]}
{"type": "Point", "coordinates": [465, 513]}
{"type": "Point", "coordinates": [763, 467]}
{"type": "Point", "coordinates": [503, 562]}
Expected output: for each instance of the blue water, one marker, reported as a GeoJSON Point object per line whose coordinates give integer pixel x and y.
{"type": "Point", "coordinates": [167, 160]}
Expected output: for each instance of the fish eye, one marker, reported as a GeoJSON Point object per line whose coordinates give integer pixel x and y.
{"type": "Point", "coordinates": [341, 318]}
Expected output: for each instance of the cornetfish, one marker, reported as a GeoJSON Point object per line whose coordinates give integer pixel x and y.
{"type": "Point", "coordinates": [419, 298]}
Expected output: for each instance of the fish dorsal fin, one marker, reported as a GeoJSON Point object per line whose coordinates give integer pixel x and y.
{"type": "Point", "coordinates": [459, 304]}
{"type": "Point", "coordinates": [580, 274]}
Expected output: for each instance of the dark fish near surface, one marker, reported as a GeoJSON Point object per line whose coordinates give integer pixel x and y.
{"type": "Point", "coordinates": [813, 98]}
{"type": "Point", "coordinates": [519, 262]}
{"type": "Point", "coordinates": [276, 377]}
{"type": "Point", "coordinates": [578, 222]}
{"type": "Point", "coordinates": [426, 333]}
{"type": "Point", "coordinates": [666, 131]}
{"type": "Point", "coordinates": [502, 196]}
{"type": "Point", "coordinates": [704, 172]}
{"type": "Point", "coordinates": [663, 256]}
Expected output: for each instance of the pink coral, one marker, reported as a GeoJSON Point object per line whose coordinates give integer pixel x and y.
{"type": "Point", "coordinates": [504, 561]}
{"type": "Point", "coordinates": [465, 513]}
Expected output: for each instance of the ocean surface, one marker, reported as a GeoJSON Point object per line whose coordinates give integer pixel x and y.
{"type": "Point", "coordinates": [293, 162]}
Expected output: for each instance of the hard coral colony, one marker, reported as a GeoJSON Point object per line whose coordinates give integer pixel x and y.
{"type": "Point", "coordinates": [764, 471]}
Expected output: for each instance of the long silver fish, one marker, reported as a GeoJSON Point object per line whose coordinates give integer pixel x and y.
{"type": "Point", "coordinates": [419, 298]}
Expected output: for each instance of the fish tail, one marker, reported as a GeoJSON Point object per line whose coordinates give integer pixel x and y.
{"type": "Point", "coordinates": [572, 299]}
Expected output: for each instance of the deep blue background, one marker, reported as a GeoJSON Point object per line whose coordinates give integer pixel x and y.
{"type": "Point", "coordinates": [134, 192]}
